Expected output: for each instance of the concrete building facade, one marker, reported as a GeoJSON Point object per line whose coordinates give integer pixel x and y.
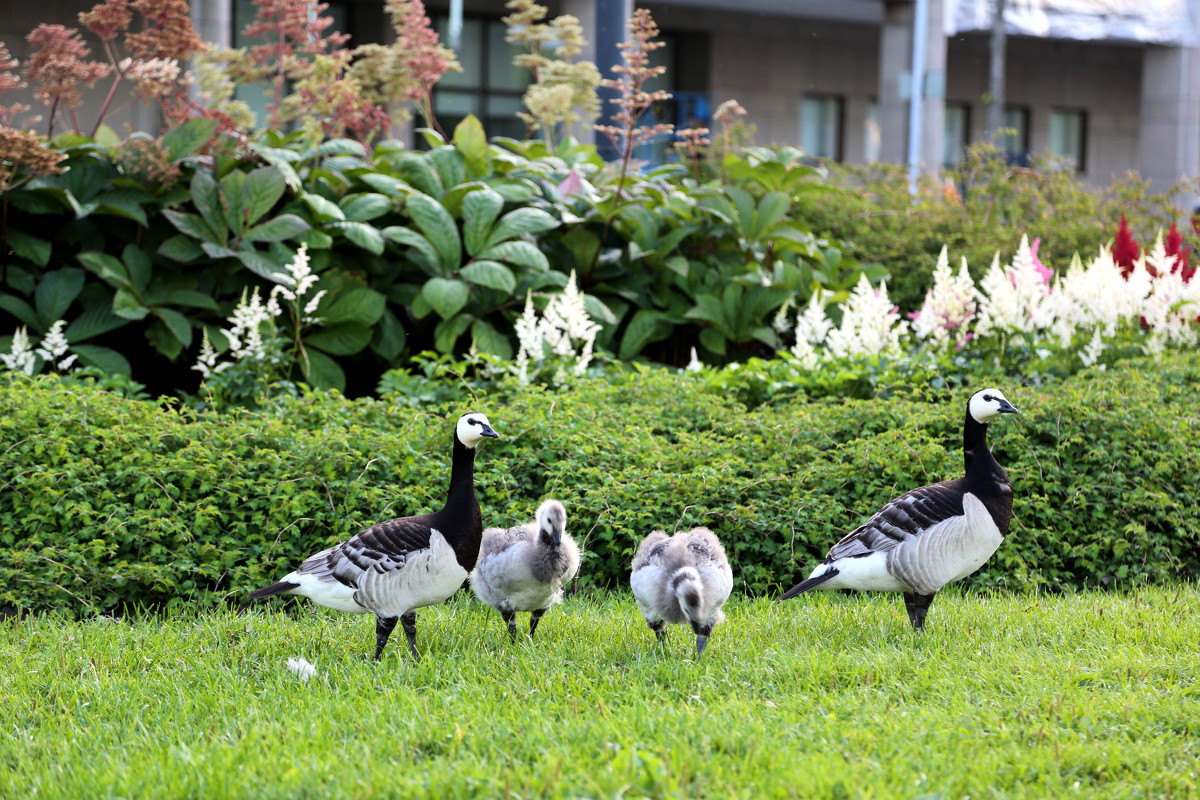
{"type": "Point", "coordinates": [1110, 91]}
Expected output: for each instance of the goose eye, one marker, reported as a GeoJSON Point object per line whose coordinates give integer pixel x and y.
{"type": "Point", "coordinates": [988, 398]}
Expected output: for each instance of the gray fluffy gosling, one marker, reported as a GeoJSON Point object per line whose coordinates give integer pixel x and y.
{"type": "Point", "coordinates": [933, 535]}
{"type": "Point", "coordinates": [682, 578]}
{"type": "Point", "coordinates": [524, 568]}
{"type": "Point", "coordinates": [393, 568]}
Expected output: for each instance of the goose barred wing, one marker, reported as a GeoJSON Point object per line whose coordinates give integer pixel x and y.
{"type": "Point", "coordinates": [382, 548]}
{"type": "Point", "coordinates": [904, 518]}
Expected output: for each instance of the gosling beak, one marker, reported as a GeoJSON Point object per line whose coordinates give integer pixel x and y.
{"type": "Point", "coordinates": [486, 430]}
{"type": "Point", "coordinates": [701, 642]}
{"type": "Point", "coordinates": [1008, 408]}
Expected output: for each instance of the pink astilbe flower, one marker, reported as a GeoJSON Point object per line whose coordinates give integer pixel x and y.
{"type": "Point", "coordinates": [423, 54]}
{"type": "Point", "coordinates": [108, 19]}
{"type": "Point", "coordinates": [10, 81]}
{"type": "Point", "coordinates": [168, 32]}
{"type": "Point", "coordinates": [59, 68]}
{"type": "Point", "coordinates": [1046, 273]}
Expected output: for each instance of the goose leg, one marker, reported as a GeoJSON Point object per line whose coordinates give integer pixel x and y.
{"type": "Point", "coordinates": [534, 619]}
{"type": "Point", "coordinates": [918, 607]}
{"type": "Point", "coordinates": [383, 629]}
{"type": "Point", "coordinates": [660, 629]}
{"type": "Point", "coordinates": [510, 619]}
{"type": "Point", "coordinates": [409, 621]}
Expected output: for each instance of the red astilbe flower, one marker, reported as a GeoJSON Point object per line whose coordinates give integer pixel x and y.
{"type": "Point", "coordinates": [108, 19]}
{"type": "Point", "coordinates": [1125, 250]}
{"type": "Point", "coordinates": [59, 68]}
{"type": "Point", "coordinates": [1175, 247]}
{"type": "Point", "coordinates": [422, 54]}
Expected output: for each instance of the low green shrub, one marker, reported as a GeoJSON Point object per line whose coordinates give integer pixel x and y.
{"type": "Point", "coordinates": [106, 501]}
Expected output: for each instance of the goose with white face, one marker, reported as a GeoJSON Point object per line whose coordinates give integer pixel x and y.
{"type": "Point", "coordinates": [473, 428]}
{"type": "Point", "coordinates": [987, 404]}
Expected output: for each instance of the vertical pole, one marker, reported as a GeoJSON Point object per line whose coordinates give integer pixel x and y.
{"type": "Point", "coordinates": [454, 32]}
{"type": "Point", "coordinates": [995, 119]}
{"type": "Point", "coordinates": [612, 28]}
{"type": "Point", "coordinates": [917, 97]}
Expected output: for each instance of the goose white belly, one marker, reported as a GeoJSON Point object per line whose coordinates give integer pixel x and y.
{"type": "Point", "coordinates": [328, 593]}
{"type": "Point", "coordinates": [949, 551]}
{"type": "Point", "coordinates": [505, 579]}
{"type": "Point", "coordinates": [427, 577]}
{"type": "Point", "coordinates": [867, 573]}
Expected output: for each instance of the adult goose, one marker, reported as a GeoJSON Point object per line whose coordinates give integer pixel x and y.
{"type": "Point", "coordinates": [933, 535]}
{"type": "Point", "coordinates": [524, 568]}
{"type": "Point", "coordinates": [682, 579]}
{"type": "Point", "coordinates": [393, 568]}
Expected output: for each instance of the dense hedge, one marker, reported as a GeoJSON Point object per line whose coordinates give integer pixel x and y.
{"type": "Point", "coordinates": [105, 501]}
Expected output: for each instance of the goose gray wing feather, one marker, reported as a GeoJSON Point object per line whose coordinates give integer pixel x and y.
{"type": "Point", "coordinates": [902, 519]}
{"type": "Point", "coordinates": [381, 548]}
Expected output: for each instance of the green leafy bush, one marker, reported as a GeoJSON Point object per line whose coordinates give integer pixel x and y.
{"type": "Point", "coordinates": [107, 501]}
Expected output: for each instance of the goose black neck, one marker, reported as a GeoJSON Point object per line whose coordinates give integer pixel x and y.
{"type": "Point", "coordinates": [977, 457]}
{"type": "Point", "coordinates": [461, 512]}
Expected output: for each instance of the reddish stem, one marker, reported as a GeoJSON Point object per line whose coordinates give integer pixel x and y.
{"type": "Point", "coordinates": [112, 90]}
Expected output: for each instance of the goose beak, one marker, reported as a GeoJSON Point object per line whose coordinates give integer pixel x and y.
{"type": "Point", "coordinates": [486, 430]}
{"type": "Point", "coordinates": [701, 642]}
{"type": "Point", "coordinates": [1008, 408]}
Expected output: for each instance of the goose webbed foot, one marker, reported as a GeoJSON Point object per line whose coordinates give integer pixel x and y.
{"type": "Point", "coordinates": [409, 621]}
{"type": "Point", "coordinates": [534, 619]}
{"type": "Point", "coordinates": [510, 619]}
{"type": "Point", "coordinates": [918, 607]}
{"type": "Point", "coordinates": [383, 629]}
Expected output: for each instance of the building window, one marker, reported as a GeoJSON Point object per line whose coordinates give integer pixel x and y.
{"type": "Point", "coordinates": [489, 86]}
{"type": "Point", "coordinates": [956, 126]}
{"type": "Point", "coordinates": [872, 137]}
{"type": "Point", "coordinates": [1068, 135]}
{"type": "Point", "coordinates": [1016, 134]}
{"type": "Point", "coordinates": [821, 126]}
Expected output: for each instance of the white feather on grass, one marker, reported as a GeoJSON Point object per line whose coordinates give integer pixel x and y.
{"type": "Point", "coordinates": [301, 668]}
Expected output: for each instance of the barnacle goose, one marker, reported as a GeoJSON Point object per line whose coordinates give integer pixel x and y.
{"type": "Point", "coordinates": [524, 568]}
{"type": "Point", "coordinates": [682, 578]}
{"type": "Point", "coordinates": [933, 535]}
{"type": "Point", "coordinates": [393, 568]}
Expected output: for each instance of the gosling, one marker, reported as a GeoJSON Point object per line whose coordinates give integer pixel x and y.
{"type": "Point", "coordinates": [524, 568]}
{"type": "Point", "coordinates": [682, 578]}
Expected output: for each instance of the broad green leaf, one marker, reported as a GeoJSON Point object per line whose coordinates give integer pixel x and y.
{"type": "Point", "coordinates": [127, 306]}
{"type": "Point", "coordinates": [139, 266]}
{"type": "Point", "coordinates": [55, 293]}
{"type": "Point", "coordinates": [261, 191]}
{"type": "Point", "coordinates": [418, 171]}
{"type": "Point", "coordinates": [365, 236]}
{"type": "Point", "coordinates": [21, 310]}
{"type": "Point", "coordinates": [193, 226]}
{"type": "Point", "coordinates": [361, 305]}
{"type": "Point", "coordinates": [260, 264]}
{"type": "Point", "coordinates": [385, 184]}
{"type": "Point", "coordinates": [364, 207]}
{"type": "Point", "coordinates": [389, 337]}
{"type": "Point", "coordinates": [277, 229]}
{"type": "Point", "coordinates": [321, 371]}
{"type": "Point", "coordinates": [104, 358]}
{"type": "Point", "coordinates": [281, 159]}
{"type": "Point", "coordinates": [316, 240]}
{"type": "Point", "coordinates": [771, 210]}
{"type": "Point", "coordinates": [92, 323]}
{"type": "Point", "coordinates": [426, 255]}
{"type": "Point", "coordinates": [489, 340]}
{"type": "Point", "coordinates": [192, 299]}
{"type": "Point", "coordinates": [162, 340]}
{"type": "Point", "coordinates": [177, 323]}
{"type": "Point", "coordinates": [216, 251]}
{"type": "Point", "coordinates": [232, 206]}
{"type": "Point", "coordinates": [29, 247]}
{"type": "Point", "coordinates": [471, 142]}
{"type": "Point", "coordinates": [183, 140]}
{"type": "Point", "coordinates": [342, 147]}
{"type": "Point", "coordinates": [646, 326]}
{"type": "Point", "coordinates": [206, 197]}
{"type": "Point", "coordinates": [107, 267]}
{"type": "Point", "coordinates": [708, 309]}
{"type": "Point", "coordinates": [596, 309]}
{"type": "Point", "coordinates": [480, 209]}
{"type": "Point", "coordinates": [183, 249]}
{"type": "Point", "coordinates": [519, 222]}
{"type": "Point", "coordinates": [439, 228]}
{"type": "Point", "coordinates": [450, 166]}
{"type": "Point", "coordinates": [492, 274]}
{"type": "Point", "coordinates": [445, 296]}
{"type": "Point", "coordinates": [342, 339]}
{"type": "Point", "coordinates": [523, 254]}
{"type": "Point", "coordinates": [712, 339]}
{"type": "Point", "coordinates": [678, 265]}
{"type": "Point", "coordinates": [324, 210]}
{"type": "Point", "coordinates": [446, 334]}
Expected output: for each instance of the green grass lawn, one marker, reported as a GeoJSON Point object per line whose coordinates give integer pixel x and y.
{"type": "Point", "coordinates": [827, 696]}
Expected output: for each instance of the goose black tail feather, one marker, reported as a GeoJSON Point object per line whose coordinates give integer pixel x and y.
{"type": "Point", "coordinates": [810, 583]}
{"type": "Point", "coordinates": [273, 589]}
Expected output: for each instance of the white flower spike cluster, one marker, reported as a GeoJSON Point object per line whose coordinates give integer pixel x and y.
{"type": "Point", "coordinates": [23, 356]}
{"type": "Point", "coordinates": [564, 330]}
{"type": "Point", "coordinates": [1022, 298]}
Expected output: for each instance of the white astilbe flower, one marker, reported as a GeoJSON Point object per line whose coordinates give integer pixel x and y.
{"type": "Point", "coordinates": [245, 328]}
{"type": "Point", "coordinates": [1091, 354]}
{"type": "Point", "coordinates": [949, 306]}
{"type": "Point", "coordinates": [782, 324]}
{"type": "Point", "coordinates": [871, 325]}
{"type": "Point", "coordinates": [812, 326]}
{"type": "Point", "coordinates": [1011, 299]}
{"type": "Point", "coordinates": [301, 668]}
{"type": "Point", "coordinates": [206, 364]}
{"type": "Point", "coordinates": [694, 365]}
{"type": "Point", "coordinates": [565, 330]}
{"type": "Point", "coordinates": [1173, 305]}
{"type": "Point", "coordinates": [294, 285]}
{"type": "Point", "coordinates": [55, 345]}
{"type": "Point", "coordinates": [21, 358]}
